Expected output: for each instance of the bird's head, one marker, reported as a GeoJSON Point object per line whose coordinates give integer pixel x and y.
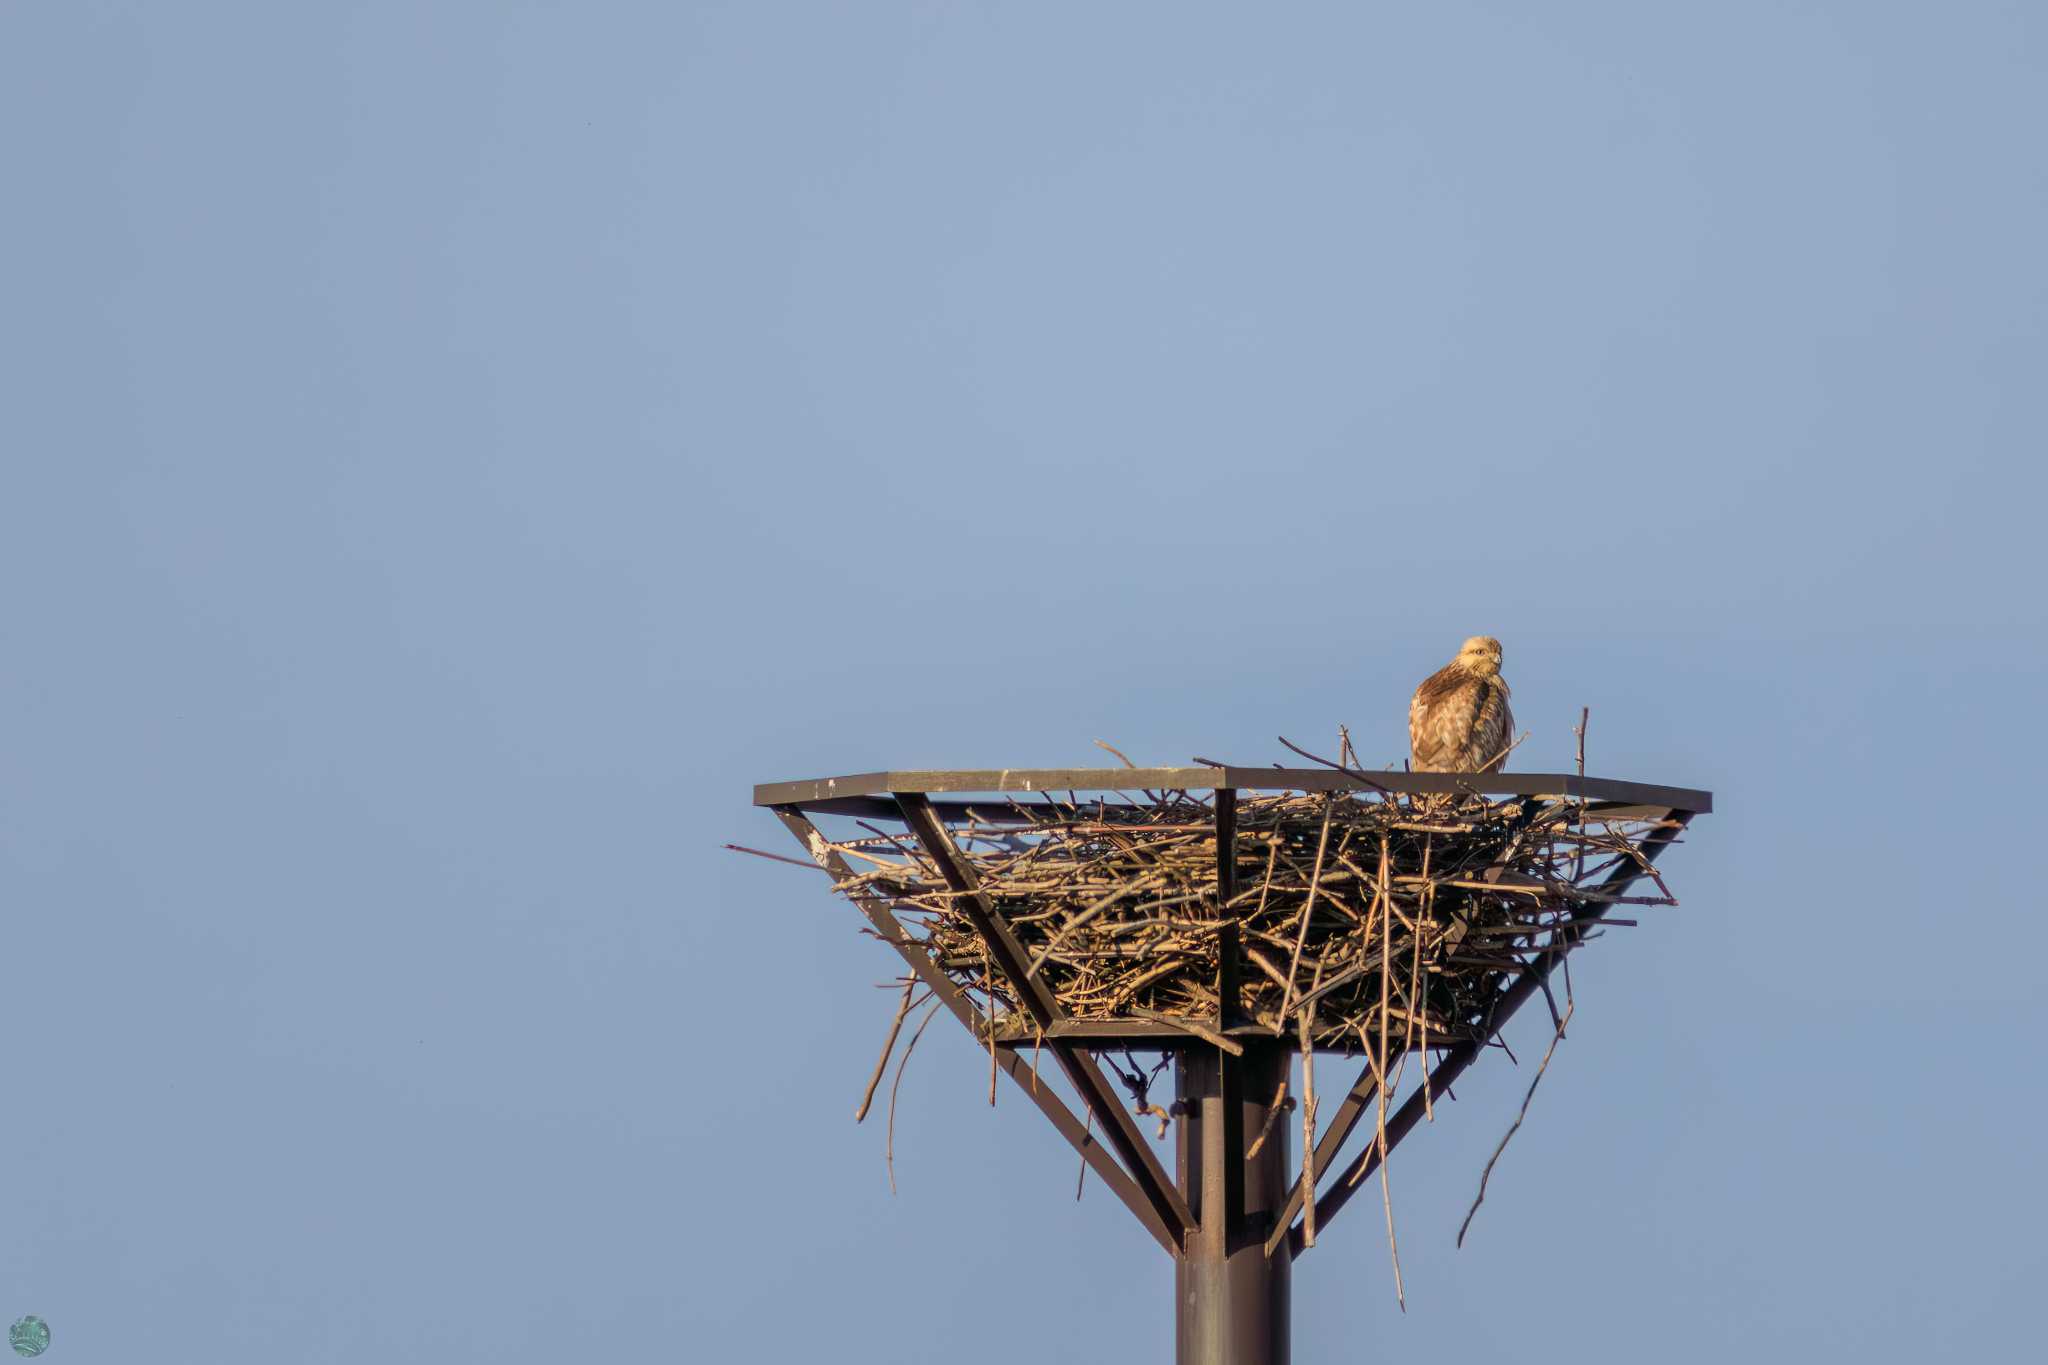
{"type": "Point", "coordinates": [1481, 655]}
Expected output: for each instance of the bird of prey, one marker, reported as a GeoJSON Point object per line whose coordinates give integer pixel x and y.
{"type": "Point", "coordinates": [1459, 721]}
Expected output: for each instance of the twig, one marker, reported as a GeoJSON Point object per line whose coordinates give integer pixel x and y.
{"type": "Point", "coordinates": [1087, 1128]}
{"type": "Point", "coordinates": [1308, 908]}
{"type": "Point", "coordinates": [1306, 1025]}
{"type": "Point", "coordinates": [1386, 1186]}
{"type": "Point", "coordinates": [1487, 1174]}
{"type": "Point", "coordinates": [1358, 773]}
{"type": "Point", "coordinates": [1579, 863]}
{"type": "Point", "coordinates": [1192, 1026]}
{"type": "Point", "coordinates": [1101, 744]}
{"type": "Point", "coordinates": [867, 1096]}
{"type": "Point", "coordinates": [1493, 764]}
{"type": "Point", "coordinates": [793, 862]}
{"type": "Point", "coordinates": [1428, 916]}
{"type": "Point", "coordinates": [889, 1148]}
{"type": "Point", "coordinates": [1280, 1101]}
{"type": "Point", "coordinates": [1393, 1243]}
{"type": "Point", "coordinates": [988, 974]}
{"type": "Point", "coordinates": [1149, 795]}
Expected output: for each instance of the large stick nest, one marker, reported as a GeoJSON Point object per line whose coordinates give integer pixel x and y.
{"type": "Point", "coordinates": [1363, 920]}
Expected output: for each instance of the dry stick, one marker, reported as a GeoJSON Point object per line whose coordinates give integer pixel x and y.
{"type": "Point", "coordinates": [1118, 752]}
{"type": "Point", "coordinates": [903, 1007]}
{"type": "Point", "coordinates": [1385, 896]}
{"type": "Point", "coordinates": [793, 862]}
{"type": "Point", "coordinates": [1426, 913]}
{"type": "Point", "coordinates": [1308, 908]}
{"type": "Point", "coordinates": [1374, 1059]}
{"type": "Point", "coordinates": [1086, 1129]}
{"type": "Point", "coordinates": [988, 974]}
{"type": "Point", "coordinates": [1492, 764]}
{"type": "Point", "coordinates": [1272, 1113]}
{"type": "Point", "coordinates": [1150, 796]}
{"type": "Point", "coordinates": [1192, 1026]}
{"type": "Point", "coordinates": [1075, 922]}
{"type": "Point", "coordinates": [1407, 1013]}
{"type": "Point", "coordinates": [1550, 1001]}
{"type": "Point", "coordinates": [1305, 1023]}
{"type": "Point", "coordinates": [889, 1149]}
{"type": "Point", "coordinates": [1266, 886]}
{"type": "Point", "coordinates": [1568, 939]}
{"type": "Point", "coordinates": [1386, 1187]}
{"type": "Point", "coordinates": [1358, 773]}
{"type": "Point", "coordinates": [1579, 867]}
{"type": "Point", "coordinates": [1488, 1172]}
{"type": "Point", "coordinates": [898, 844]}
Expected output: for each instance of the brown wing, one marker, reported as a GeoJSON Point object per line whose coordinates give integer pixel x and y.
{"type": "Point", "coordinates": [1493, 731]}
{"type": "Point", "coordinates": [1441, 721]}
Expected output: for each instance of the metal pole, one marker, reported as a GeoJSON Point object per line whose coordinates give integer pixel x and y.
{"type": "Point", "coordinates": [1231, 1297]}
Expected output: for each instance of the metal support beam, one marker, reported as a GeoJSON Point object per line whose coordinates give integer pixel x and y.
{"type": "Point", "coordinates": [1009, 1057]}
{"type": "Point", "coordinates": [1229, 963]}
{"type": "Point", "coordinates": [1229, 1007]}
{"type": "Point", "coordinates": [1081, 1069]}
{"type": "Point", "coordinates": [1161, 1033]}
{"type": "Point", "coordinates": [1031, 993]}
{"type": "Point", "coordinates": [1037, 781]}
{"type": "Point", "coordinates": [1231, 1294]}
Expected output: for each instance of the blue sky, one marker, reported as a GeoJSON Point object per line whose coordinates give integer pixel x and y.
{"type": "Point", "coordinates": [450, 452]}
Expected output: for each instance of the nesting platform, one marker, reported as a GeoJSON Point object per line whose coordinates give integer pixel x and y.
{"type": "Point", "coordinates": [1228, 915]}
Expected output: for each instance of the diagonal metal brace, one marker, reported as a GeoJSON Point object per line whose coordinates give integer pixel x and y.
{"type": "Point", "coordinates": [1366, 1090]}
{"type": "Point", "coordinates": [1080, 1068]}
{"type": "Point", "coordinates": [1009, 1056]}
{"type": "Point", "coordinates": [1229, 953]}
{"type": "Point", "coordinates": [924, 822]}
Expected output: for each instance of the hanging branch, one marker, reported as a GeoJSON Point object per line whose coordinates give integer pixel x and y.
{"type": "Point", "coordinates": [889, 1148]}
{"type": "Point", "coordinates": [1514, 1127]}
{"type": "Point", "coordinates": [867, 1096]}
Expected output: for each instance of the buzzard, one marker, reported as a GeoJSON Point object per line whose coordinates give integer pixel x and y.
{"type": "Point", "coordinates": [1459, 721]}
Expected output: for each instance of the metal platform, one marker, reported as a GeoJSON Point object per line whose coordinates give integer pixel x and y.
{"type": "Point", "coordinates": [1231, 1224]}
